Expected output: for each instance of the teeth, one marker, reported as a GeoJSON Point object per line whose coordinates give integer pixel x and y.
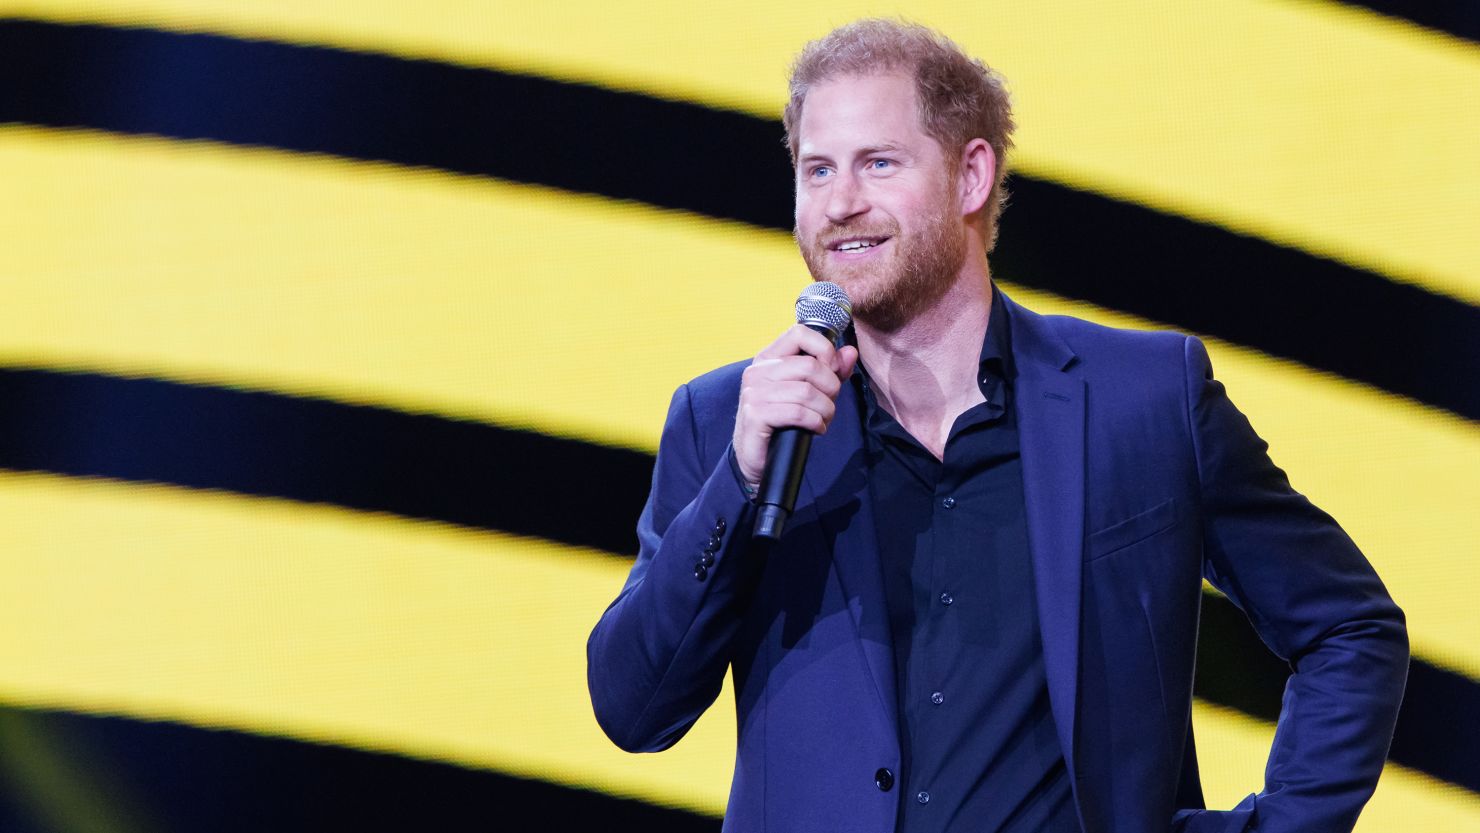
{"type": "Point", "coordinates": [856, 246]}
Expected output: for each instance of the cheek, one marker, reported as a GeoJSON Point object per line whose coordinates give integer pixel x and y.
{"type": "Point", "coordinates": [806, 219]}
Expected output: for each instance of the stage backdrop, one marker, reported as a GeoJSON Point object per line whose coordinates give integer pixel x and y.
{"type": "Point", "coordinates": [335, 339]}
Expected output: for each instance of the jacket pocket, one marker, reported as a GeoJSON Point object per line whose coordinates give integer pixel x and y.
{"type": "Point", "coordinates": [1134, 529]}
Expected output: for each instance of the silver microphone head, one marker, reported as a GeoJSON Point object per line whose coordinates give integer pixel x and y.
{"type": "Point", "coordinates": [825, 306]}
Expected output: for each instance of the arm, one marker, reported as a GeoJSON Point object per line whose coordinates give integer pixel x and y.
{"type": "Point", "coordinates": [657, 658]}
{"type": "Point", "coordinates": [1316, 602]}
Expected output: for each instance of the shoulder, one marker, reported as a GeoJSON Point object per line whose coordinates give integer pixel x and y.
{"type": "Point", "coordinates": [1098, 342]}
{"type": "Point", "coordinates": [720, 379]}
{"type": "Point", "coordinates": [717, 388]}
{"type": "Point", "coordinates": [708, 402]}
{"type": "Point", "coordinates": [1131, 374]}
{"type": "Point", "coordinates": [1096, 349]}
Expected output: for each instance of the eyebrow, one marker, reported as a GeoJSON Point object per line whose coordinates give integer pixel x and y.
{"type": "Point", "coordinates": [869, 150]}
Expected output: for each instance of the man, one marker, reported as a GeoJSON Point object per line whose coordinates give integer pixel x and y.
{"type": "Point", "coordinates": [983, 613]}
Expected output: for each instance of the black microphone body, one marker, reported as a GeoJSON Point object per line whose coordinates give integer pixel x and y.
{"type": "Point", "coordinates": [824, 308]}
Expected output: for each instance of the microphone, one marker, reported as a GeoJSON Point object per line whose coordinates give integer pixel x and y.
{"type": "Point", "coordinates": [823, 307]}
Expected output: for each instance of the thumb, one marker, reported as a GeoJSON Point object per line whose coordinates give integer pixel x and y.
{"type": "Point", "coordinates": [847, 360]}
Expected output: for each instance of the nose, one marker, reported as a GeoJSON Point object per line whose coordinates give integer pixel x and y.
{"type": "Point", "coordinates": [845, 198]}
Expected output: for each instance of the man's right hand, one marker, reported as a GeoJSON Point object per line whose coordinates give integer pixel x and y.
{"type": "Point", "coordinates": [794, 382]}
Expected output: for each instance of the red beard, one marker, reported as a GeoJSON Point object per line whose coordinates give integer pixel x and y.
{"type": "Point", "coordinates": [887, 293]}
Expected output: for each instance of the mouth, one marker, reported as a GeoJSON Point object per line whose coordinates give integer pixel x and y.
{"type": "Point", "coordinates": [856, 245]}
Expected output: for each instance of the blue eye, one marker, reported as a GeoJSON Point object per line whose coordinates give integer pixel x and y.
{"type": "Point", "coordinates": [821, 171]}
{"type": "Point", "coordinates": [879, 164]}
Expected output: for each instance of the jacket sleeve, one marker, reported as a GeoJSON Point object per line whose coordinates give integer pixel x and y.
{"type": "Point", "coordinates": [657, 657]}
{"type": "Point", "coordinates": [1317, 603]}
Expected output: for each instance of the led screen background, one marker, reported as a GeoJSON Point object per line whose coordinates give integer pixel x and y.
{"type": "Point", "coordinates": [336, 338]}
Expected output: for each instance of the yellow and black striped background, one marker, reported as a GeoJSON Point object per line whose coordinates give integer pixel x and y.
{"type": "Point", "coordinates": [335, 339]}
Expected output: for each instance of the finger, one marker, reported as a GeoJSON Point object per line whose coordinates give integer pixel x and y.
{"type": "Point", "coordinates": [778, 415]}
{"type": "Point", "coordinates": [806, 369]}
{"type": "Point", "coordinates": [792, 369]}
{"type": "Point", "coordinates": [763, 419]}
{"type": "Point", "coordinates": [801, 393]}
{"type": "Point", "coordinates": [799, 339]}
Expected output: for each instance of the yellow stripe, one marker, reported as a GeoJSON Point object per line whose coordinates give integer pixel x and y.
{"type": "Point", "coordinates": [326, 625]}
{"type": "Point", "coordinates": [370, 283]}
{"type": "Point", "coordinates": [1314, 125]}
{"type": "Point", "coordinates": [570, 315]}
{"type": "Point", "coordinates": [382, 634]}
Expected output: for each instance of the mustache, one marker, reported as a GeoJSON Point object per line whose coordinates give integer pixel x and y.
{"type": "Point", "coordinates": [836, 232]}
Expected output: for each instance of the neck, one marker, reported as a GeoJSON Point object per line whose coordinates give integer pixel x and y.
{"type": "Point", "coordinates": [924, 372]}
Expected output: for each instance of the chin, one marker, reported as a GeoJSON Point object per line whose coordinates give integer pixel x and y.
{"type": "Point", "coordinates": [872, 302]}
{"type": "Point", "coordinates": [867, 285]}
{"type": "Point", "coordinates": [859, 284]}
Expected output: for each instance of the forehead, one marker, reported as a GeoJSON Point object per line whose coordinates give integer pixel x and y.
{"type": "Point", "coordinates": [857, 111]}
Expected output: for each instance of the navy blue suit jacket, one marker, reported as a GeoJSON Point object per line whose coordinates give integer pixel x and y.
{"type": "Point", "coordinates": [1140, 478]}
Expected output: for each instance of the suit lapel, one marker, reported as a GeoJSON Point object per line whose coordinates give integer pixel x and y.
{"type": "Point", "coordinates": [1050, 407]}
{"type": "Point", "coordinates": [835, 492]}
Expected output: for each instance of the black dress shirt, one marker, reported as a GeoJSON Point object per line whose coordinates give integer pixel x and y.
{"type": "Point", "coordinates": [980, 751]}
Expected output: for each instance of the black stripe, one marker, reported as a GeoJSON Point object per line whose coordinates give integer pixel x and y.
{"type": "Point", "coordinates": [1437, 732]}
{"type": "Point", "coordinates": [1234, 668]}
{"type": "Point", "coordinates": [480, 475]}
{"type": "Point", "coordinates": [728, 165]}
{"type": "Point", "coordinates": [163, 778]}
{"type": "Point", "coordinates": [376, 107]}
{"type": "Point", "coordinates": [316, 451]}
{"type": "Point", "coordinates": [1320, 313]}
{"type": "Point", "coordinates": [1460, 18]}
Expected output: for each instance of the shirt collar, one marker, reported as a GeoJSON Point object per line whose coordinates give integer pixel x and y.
{"type": "Point", "coordinates": [996, 353]}
{"type": "Point", "coordinates": [994, 375]}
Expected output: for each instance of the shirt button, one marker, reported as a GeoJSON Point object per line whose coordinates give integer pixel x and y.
{"type": "Point", "coordinates": [712, 545]}
{"type": "Point", "coordinates": [922, 797]}
{"type": "Point", "coordinates": [700, 571]}
{"type": "Point", "coordinates": [883, 779]}
{"type": "Point", "coordinates": [948, 503]}
{"type": "Point", "coordinates": [719, 526]}
{"type": "Point", "coordinates": [946, 599]}
{"type": "Point", "coordinates": [937, 698]}
{"type": "Point", "coordinates": [707, 559]}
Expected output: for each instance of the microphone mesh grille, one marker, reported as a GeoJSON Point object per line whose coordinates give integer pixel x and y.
{"type": "Point", "coordinates": [827, 304]}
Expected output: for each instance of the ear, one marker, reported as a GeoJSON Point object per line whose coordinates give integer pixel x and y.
{"type": "Point", "coordinates": [978, 173]}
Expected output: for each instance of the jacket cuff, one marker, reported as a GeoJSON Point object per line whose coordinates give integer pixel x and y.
{"type": "Point", "coordinates": [750, 491]}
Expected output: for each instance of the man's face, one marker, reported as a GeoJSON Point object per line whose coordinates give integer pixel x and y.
{"type": "Point", "coordinates": [877, 210]}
